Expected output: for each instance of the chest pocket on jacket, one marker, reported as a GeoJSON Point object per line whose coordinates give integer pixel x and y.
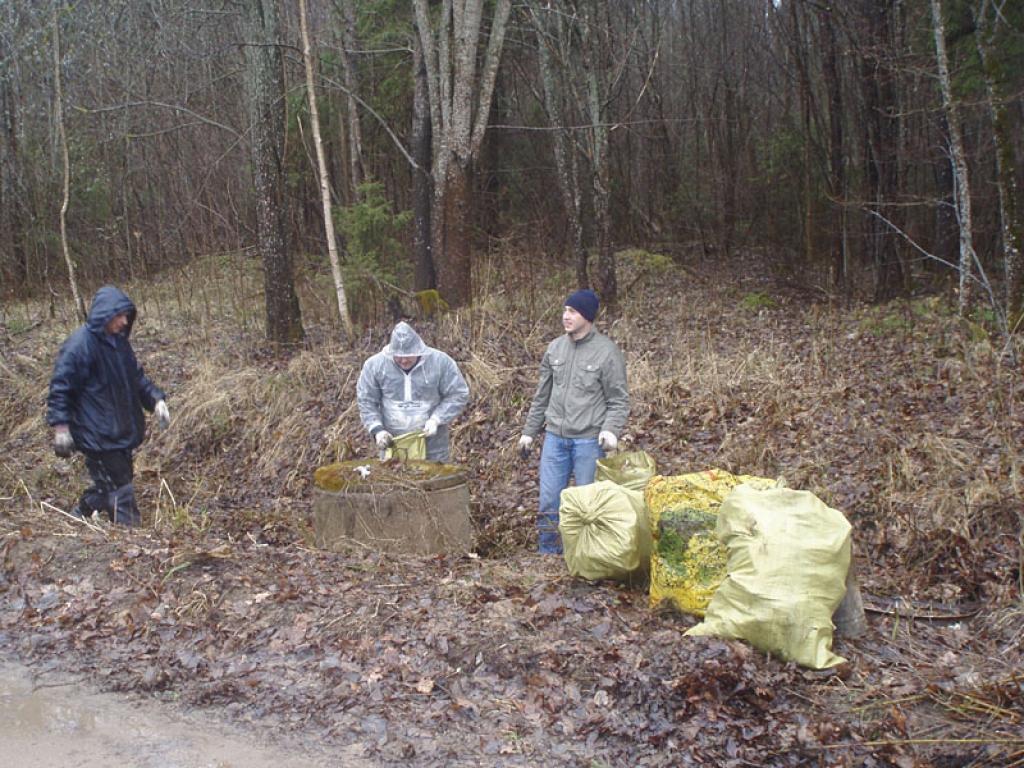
{"type": "Point", "coordinates": [558, 371]}
{"type": "Point", "coordinates": [588, 377]}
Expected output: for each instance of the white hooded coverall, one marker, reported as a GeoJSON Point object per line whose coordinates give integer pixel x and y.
{"type": "Point", "coordinates": [402, 401]}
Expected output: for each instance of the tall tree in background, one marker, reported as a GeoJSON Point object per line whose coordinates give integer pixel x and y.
{"type": "Point", "coordinates": [719, 128]}
{"type": "Point", "coordinates": [12, 216]}
{"type": "Point", "coordinates": [357, 173]}
{"type": "Point", "coordinates": [836, 149]}
{"type": "Point", "coordinates": [555, 45]}
{"type": "Point", "coordinates": [62, 138]}
{"type": "Point", "coordinates": [986, 32]}
{"type": "Point", "coordinates": [958, 158]}
{"type": "Point", "coordinates": [321, 165]}
{"type": "Point", "coordinates": [882, 131]}
{"type": "Point", "coordinates": [265, 96]}
{"type": "Point", "coordinates": [460, 103]}
{"type": "Point", "coordinates": [600, 75]}
{"type": "Point", "coordinates": [582, 62]}
{"type": "Point", "coordinates": [424, 277]}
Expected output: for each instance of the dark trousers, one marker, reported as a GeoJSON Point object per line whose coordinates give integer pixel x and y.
{"type": "Point", "coordinates": [112, 490]}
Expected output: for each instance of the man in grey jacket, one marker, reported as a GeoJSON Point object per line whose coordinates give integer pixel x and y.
{"type": "Point", "coordinates": [582, 401]}
{"type": "Point", "coordinates": [408, 386]}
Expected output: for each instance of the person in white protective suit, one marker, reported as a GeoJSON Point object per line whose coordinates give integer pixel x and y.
{"type": "Point", "coordinates": [409, 386]}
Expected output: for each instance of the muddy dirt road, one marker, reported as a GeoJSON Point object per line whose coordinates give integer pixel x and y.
{"type": "Point", "coordinates": [53, 720]}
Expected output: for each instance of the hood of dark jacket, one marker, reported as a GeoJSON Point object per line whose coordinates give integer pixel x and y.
{"type": "Point", "coordinates": [107, 303]}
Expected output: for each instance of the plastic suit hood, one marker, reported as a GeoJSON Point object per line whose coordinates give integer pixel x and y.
{"type": "Point", "coordinates": [98, 387]}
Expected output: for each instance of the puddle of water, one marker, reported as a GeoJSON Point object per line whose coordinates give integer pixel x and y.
{"type": "Point", "coordinates": [54, 721]}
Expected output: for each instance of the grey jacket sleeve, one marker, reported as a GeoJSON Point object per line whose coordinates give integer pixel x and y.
{"type": "Point", "coordinates": [616, 392]}
{"type": "Point", "coordinates": [453, 390]}
{"type": "Point", "coordinates": [535, 418]}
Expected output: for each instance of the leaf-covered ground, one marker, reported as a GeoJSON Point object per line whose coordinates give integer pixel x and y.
{"type": "Point", "coordinates": [900, 415]}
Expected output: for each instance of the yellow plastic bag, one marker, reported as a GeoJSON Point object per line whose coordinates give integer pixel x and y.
{"type": "Point", "coordinates": [632, 469]}
{"type": "Point", "coordinates": [788, 557]}
{"type": "Point", "coordinates": [687, 561]}
{"type": "Point", "coordinates": [605, 534]}
{"type": "Point", "coordinates": [412, 446]}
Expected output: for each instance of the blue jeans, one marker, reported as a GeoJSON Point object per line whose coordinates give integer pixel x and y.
{"type": "Point", "coordinates": [560, 459]}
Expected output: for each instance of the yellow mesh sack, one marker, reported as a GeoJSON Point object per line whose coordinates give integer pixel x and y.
{"type": "Point", "coordinates": [632, 469]}
{"type": "Point", "coordinates": [687, 560]}
{"type": "Point", "coordinates": [412, 446]}
{"type": "Point", "coordinates": [604, 531]}
{"type": "Point", "coordinates": [788, 557]}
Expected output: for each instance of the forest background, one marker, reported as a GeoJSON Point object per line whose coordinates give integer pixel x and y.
{"type": "Point", "coordinates": [802, 219]}
{"type": "Point", "coordinates": [836, 141]}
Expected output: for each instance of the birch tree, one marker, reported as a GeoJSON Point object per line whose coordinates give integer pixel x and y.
{"type": "Point", "coordinates": [460, 102]}
{"type": "Point", "coordinates": [321, 164]}
{"type": "Point", "coordinates": [58, 118]}
{"type": "Point", "coordinates": [958, 159]}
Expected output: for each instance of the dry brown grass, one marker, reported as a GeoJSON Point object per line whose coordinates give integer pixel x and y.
{"type": "Point", "coordinates": [907, 426]}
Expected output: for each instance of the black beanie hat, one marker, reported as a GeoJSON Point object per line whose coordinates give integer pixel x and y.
{"type": "Point", "coordinates": [585, 302]}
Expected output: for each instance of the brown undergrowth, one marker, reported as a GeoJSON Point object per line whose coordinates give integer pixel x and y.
{"type": "Point", "coordinates": [899, 415]}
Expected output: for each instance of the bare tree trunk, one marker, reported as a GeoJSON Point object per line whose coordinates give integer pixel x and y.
{"type": "Point", "coordinates": [566, 164]}
{"type": "Point", "coordinates": [836, 161]}
{"type": "Point", "coordinates": [882, 139]}
{"type": "Point", "coordinates": [606, 278]}
{"type": "Point", "coordinates": [265, 83]}
{"type": "Point", "coordinates": [325, 190]}
{"type": "Point", "coordinates": [422, 194]}
{"type": "Point", "coordinates": [460, 103]}
{"type": "Point", "coordinates": [594, 52]}
{"type": "Point", "coordinates": [348, 66]}
{"type": "Point", "coordinates": [58, 118]}
{"type": "Point", "coordinates": [1006, 182]}
{"type": "Point", "coordinates": [800, 54]}
{"type": "Point", "coordinates": [947, 231]}
{"type": "Point", "coordinates": [959, 160]}
{"type": "Point", "coordinates": [12, 206]}
{"type": "Point", "coordinates": [451, 242]}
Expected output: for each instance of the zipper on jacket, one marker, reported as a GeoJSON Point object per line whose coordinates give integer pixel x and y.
{"type": "Point", "coordinates": [570, 365]}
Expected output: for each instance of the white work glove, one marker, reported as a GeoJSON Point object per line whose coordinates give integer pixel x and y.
{"type": "Point", "coordinates": [384, 439]}
{"type": "Point", "coordinates": [607, 440]}
{"type": "Point", "coordinates": [430, 427]}
{"type": "Point", "coordinates": [162, 414]}
{"type": "Point", "coordinates": [63, 442]}
{"type": "Point", "coordinates": [524, 446]}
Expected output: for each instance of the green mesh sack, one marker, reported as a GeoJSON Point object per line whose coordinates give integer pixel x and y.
{"type": "Point", "coordinates": [788, 554]}
{"type": "Point", "coordinates": [605, 533]}
{"type": "Point", "coordinates": [632, 469]}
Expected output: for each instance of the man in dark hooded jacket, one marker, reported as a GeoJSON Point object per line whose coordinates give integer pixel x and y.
{"type": "Point", "coordinates": [97, 394]}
